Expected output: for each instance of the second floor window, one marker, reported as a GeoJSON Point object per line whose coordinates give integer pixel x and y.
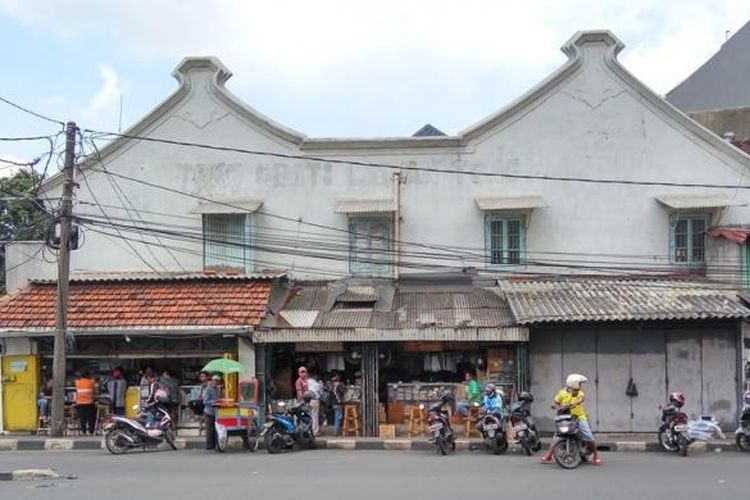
{"type": "Point", "coordinates": [370, 245]}
{"type": "Point", "coordinates": [226, 242]}
{"type": "Point", "coordinates": [688, 239]}
{"type": "Point", "coordinates": [505, 240]}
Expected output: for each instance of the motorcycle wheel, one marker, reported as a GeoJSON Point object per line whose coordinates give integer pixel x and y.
{"type": "Point", "coordinates": [567, 454]}
{"type": "Point", "coordinates": [682, 444]}
{"type": "Point", "coordinates": [273, 442]}
{"type": "Point", "coordinates": [537, 445]}
{"type": "Point", "coordinates": [440, 445]}
{"type": "Point", "coordinates": [526, 447]}
{"type": "Point", "coordinates": [743, 441]}
{"type": "Point", "coordinates": [170, 437]}
{"type": "Point", "coordinates": [666, 443]}
{"type": "Point", "coordinates": [112, 442]}
{"type": "Point", "coordinates": [310, 440]}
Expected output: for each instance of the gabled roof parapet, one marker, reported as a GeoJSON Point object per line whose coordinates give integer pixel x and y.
{"type": "Point", "coordinates": [605, 38]}
{"type": "Point", "coordinates": [189, 65]}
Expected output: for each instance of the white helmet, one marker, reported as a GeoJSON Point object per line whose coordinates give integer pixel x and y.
{"type": "Point", "coordinates": [575, 380]}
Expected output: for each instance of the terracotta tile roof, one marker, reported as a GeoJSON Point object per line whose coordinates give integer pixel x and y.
{"type": "Point", "coordinates": [127, 304]}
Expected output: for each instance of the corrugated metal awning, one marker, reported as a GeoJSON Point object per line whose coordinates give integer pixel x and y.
{"type": "Point", "coordinates": [688, 201]}
{"type": "Point", "coordinates": [528, 202]}
{"type": "Point", "coordinates": [245, 206]}
{"type": "Point", "coordinates": [286, 335]}
{"type": "Point", "coordinates": [365, 205]}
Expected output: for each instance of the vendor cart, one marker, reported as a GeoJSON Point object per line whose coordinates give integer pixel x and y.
{"type": "Point", "coordinates": [237, 419]}
{"type": "Point", "coordinates": [238, 413]}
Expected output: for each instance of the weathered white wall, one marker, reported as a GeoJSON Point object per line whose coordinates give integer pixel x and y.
{"type": "Point", "coordinates": [592, 124]}
{"type": "Point", "coordinates": [27, 259]}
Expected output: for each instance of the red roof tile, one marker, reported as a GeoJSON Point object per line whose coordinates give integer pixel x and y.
{"type": "Point", "coordinates": [141, 304]}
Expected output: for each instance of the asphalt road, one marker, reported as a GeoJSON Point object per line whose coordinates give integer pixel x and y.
{"type": "Point", "coordinates": [363, 475]}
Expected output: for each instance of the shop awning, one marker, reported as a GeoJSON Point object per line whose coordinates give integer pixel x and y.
{"type": "Point", "coordinates": [287, 335]}
{"type": "Point", "coordinates": [691, 201]}
{"type": "Point", "coordinates": [244, 206]}
{"type": "Point", "coordinates": [527, 202]}
{"type": "Point", "coordinates": [736, 234]}
{"type": "Point", "coordinates": [364, 205]}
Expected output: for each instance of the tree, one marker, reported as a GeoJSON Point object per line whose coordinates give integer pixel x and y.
{"type": "Point", "coordinates": [21, 214]}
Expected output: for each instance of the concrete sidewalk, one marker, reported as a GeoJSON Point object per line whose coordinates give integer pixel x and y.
{"type": "Point", "coordinates": [605, 442]}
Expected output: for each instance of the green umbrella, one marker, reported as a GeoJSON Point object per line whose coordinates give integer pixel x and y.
{"type": "Point", "coordinates": [225, 366]}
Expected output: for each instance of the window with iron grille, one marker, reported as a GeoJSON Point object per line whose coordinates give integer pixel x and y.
{"type": "Point", "coordinates": [226, 242]}
{"type": "Point", "coordinates": [505, 240]}
{"type": "Point", "coordinates": [370, 246]}
{"type": "Point", "coordinates": [687, 239]}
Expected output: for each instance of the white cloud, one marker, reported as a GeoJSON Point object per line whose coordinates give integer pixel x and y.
{"type": "Point", "coordinates": [386, 51]}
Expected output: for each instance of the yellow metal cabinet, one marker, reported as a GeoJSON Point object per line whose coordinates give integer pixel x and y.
{"type": "Point", "coordinates": [132, 398]}
{"type": "Point", "coordinates": [20, 392]}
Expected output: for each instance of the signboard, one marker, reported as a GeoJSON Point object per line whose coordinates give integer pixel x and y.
{"type": "Point", "coordinates": [319, 347]}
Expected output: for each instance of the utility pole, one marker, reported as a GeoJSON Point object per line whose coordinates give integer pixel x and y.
{"type": "Point", "coordinates": [63, 276]}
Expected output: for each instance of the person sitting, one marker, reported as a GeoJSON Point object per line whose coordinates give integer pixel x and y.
{"type": "Point", "coordinates": [473, 393]}
{"type": "Point", "coordinates": [493, 400]}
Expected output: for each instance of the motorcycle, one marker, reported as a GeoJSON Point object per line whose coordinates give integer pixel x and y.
{"type": "Point", "coordinates": [742, 434]}
{"type": "Point", "coordinates": [524, 427]}
{"type": "Point", "coordinates": [442, 434]}
{"type": "Point", "coordinates": [123, 433]}
{"type": "Point", "coordinates": [491, 424]}
{"type": "Point", "coordinates": [569, 450]}
{"type": "Point", "coordinates": [673, 433]}
{"type": "Point", "coordinates": [284, 430]}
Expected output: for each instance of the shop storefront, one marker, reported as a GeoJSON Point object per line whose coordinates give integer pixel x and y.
{"type": "Point", "coordinates": [394, 346]}
{"type": "Point", "coordinates": [135, 323]}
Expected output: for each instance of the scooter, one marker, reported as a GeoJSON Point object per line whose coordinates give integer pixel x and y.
{"type": "Point", "coordinates": [283, 430]}
{"type": "Point", "coordinates": [491, 424]}
{"type": "Point", "coordinates": [569, 450]}
{"type": "Point", "coordinates": [742, 434]}
{"type": "Point", "coordinates": [442, 434]}
{"type": "Point", "coordinates": [123, 433]}
{"type": "Point", "coordinates": [523, 424]}
{"type": "Point", "coordinates": [673, 433]}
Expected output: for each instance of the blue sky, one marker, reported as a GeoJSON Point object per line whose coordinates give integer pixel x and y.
{"type": "Point", "coordinates": [326, 68]}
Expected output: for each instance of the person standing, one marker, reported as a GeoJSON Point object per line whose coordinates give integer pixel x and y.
{"type": "Point", "coordinates": [85, 388]}
{"type": "Point", "coordinates": [303, 385]}
{"type": "Point", "coordinates": [172, 386]}
{"type": "Point", "coordinates": [210, 397]}
{"type": "Point", "coordinates": [116, 387]}
{"type": "Point", "coordinates": [337, 391]}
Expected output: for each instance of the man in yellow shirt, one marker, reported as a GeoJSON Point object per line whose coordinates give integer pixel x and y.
{"type": "Point", "coordinates": [572, 396]}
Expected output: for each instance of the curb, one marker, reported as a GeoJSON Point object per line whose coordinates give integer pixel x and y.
{"type": "Point", "coordinates": [358, 444]}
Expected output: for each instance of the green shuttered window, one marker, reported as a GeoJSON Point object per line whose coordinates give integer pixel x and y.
{"type": "Point", "coordinates": [370, 246]}
{"type": "Point", "coordinates": [226, 242]}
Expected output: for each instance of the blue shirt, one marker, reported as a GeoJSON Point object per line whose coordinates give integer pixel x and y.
{"type": "Point", "coordinates": [210, 395]}
{"type": "Point", "coordinates": [492, 403]}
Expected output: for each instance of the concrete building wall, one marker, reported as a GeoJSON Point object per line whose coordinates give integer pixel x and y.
{"type": "Point", "coordinates": [590, 119]}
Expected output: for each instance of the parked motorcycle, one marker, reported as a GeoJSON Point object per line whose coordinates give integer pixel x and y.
{"type": "Point", "coordinates": [569, 449]}
{"type": "Point", "coordinates": [491, 424]}
{"type": "Point", "coordinates": [442, 435]}
{"type": "Point", "coordinates": [283, 430]}
{"type": "Point", "coordinates": [673, 433]}
{"type": "Point", "coordinates": [742, 434]}
{"type": "Point", "coordinates": [123, 433]}
{"type": "Point", "coordinates": [523, 424]}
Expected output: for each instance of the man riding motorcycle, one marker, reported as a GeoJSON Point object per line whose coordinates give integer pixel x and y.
{"type": "Point", "coordinates": [571, 397]}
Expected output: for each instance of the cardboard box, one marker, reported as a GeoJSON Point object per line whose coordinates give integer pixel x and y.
{"type": "Point", "coordinates": [387, 431]}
